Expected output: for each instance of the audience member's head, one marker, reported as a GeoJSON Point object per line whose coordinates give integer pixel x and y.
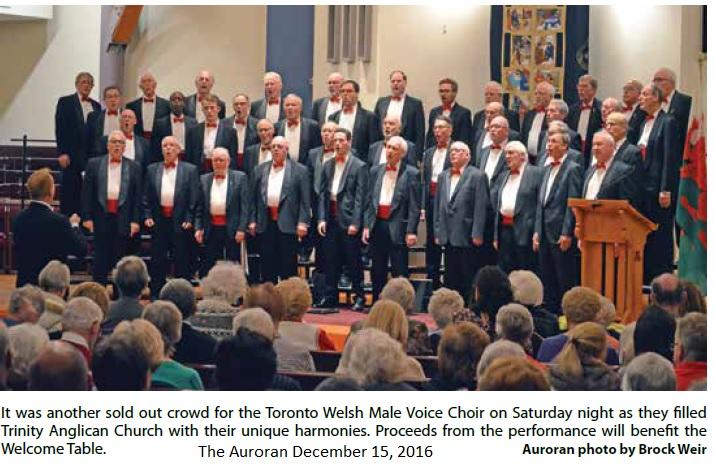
{"type": "Point", "coordinates": [55, 278]}
{"type": "Point", "coordinates": [460, 349]}
{"type": "Point", "coordinates": [181, 293]}
{"type": "Point", "coordinates": [266, 297]}
{"type": "Point", "coordinates": [120, 363]}
{"type": "Point", "coordinates": [443, 305]}
{"type": "Point", "coordinates": [667, 293]}
{"type": "Point", "coordinates": [131, 276]}
{"type": "Point", "coordinates": [580, 304]}
{"type": "Point", "coordinates": [94, 292]}
{"type": "Point", "coordinates": [389, 317]}
{"type": "Point", "coordinates": [26, 304]}
{"type": "Point", "coordinates": [527, 288]}
{"type": "Point", "coordinates": [257, 320]}
{"type": "Point", "coordinates": [26, 341]}
{"type": "Point", "coordinates": [167, 319]}
{"type": "Point", "coordinates": [400, 290]}
{"type": "Point", "coordinates": [515, 323]}
{"type": "Point", "coordinates": [654, 332]}
{"type": "Point", "coordinates": [83, 317]}
{"type": "Point", "coordinates": [586, 345]}
{"type": "Point", "coordinates": [495, 350]}
{"type": "Point", "coordinates": [372, 357]}
{"type": "Point", "coordinates": [297, 297]}
{"type": "Point", "coordinates": [693, 299]}
{"type": "Point", "coordinates": [513, 374]}
{"type": "Point", "coordinates": [41, 185]}
{"type": "Point", "coordinates": [245, 361]}
{"type": "Point", "coordinates": [691, 338]}
{"type": "Point", "coordinates": [5, 355]}
{"type": "Point", "coordinates": [492, 290]}
{"type": "Point", "coordinates": [226, 281]}
{"type": "Point", "coordinates": [148, 338]}
{"type": "Point", "coordinates": [607, 314]}
{"type": "Point", "coordinates": [648, 372]}
{"type": "Point", "coordinates": [58, 367]}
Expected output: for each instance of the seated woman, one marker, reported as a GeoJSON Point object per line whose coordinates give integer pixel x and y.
{"type": "Point", "coordinates": [459, 351]}
{"type": "Point", "coordinates": [581, 364]}
{"type": "Point", "coordinates": [298, 299]}
{"type": "Point", "coordinates": [442, 306]}
{"type": "Point", "coordinates": [513, 374]}
{"type": "Point", "coordinates": [167, 319]}
{"type": "Point", "coordinates": [222, 289]}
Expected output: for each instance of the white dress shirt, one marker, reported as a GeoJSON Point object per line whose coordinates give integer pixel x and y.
{"type": "Point", "coordinates": [86, 107]}
{"type": "Point", "coordinates": [389, 181]}
{"type": "Point", "coordinates": [292, 135]}
{"type": "Point", "coordinates": [219, 187]}
{"type": "Point", "coordinates": [509, 193]}
{"type": "Point", "coordinates": [178, 129]}
{"type": "Point", "coordinates": [148, 112]}
{"type": "Point", "coordinates": [438, 162]}
{"type": "Point", "coordinates": [552, 174]}
{"type": "Point", "coordinates": [240, 135]}
{"type": "Point", "coordinates": [114, 179]}
{"type": "Point", "coordinates": [129, 149]}
{"type": "Point", "coordinates": [383, 155]}
{"type": "Point", "coordinates": [453, 181]}
{"type": "Point", "coordinates": [492, 161]}
{"type": "Point", "coordinates": [594, 184]}
{"type": "Point", "coordinates": [327, 156]}
{"type": "Point", "coordinates": [332, 108]}
{"type": "Point", "coordinates": [275, 185]}
{"type": "Point", "coordinates": [448, 111]}
{"type": "Point", "coordinates": [273, 112]}
{"type": "Point", "coordinates": [200, 117]}
{"type": "Point", "coordinates": [209, 140]}
{"type": "Point", "coordinates": [264, 156]}
{"type": "Point", "coordinates": [337, 176]}
{"type": "Point", "coordinates": [629, 113]}
{"type": "Point", "coordinates": [487, 140]}
{"type": "Point", "coordinates": [647, 128]}
{"type": "Point", "coordinates": [168, 186]}
{"type": "Point", "coordinates": [111, 123]}
{"type": "Point", "coordinates": [347, 120]}
{"type": "Point", "coordinates": [395, 107]}
{"type": "Point", "coordinates": [583, 118]}
{"type": "Point", "coordinates": [532, 145]}
{"type": "Point", "coordinates": [668, 100]}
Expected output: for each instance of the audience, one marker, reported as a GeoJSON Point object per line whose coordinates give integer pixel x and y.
{"type": "Point", "coordinates": [460, 349]}
{"type": "Point", "coordinates": [691, 350]}
{"type": "Point", "coordinates": [297, 297]}
{"type": "Point", "coordinates": [514, 323]}
{"type": "Point", "coordinates": [693, 299]}
{"type": "Point", "coordinates": [492, 290]}
{"type": "Point", "coordinates": [148, 338]}
{"type": "Point", "coordinates": [654, 332]}
{"type": "Point", "coordinates": [648, 372]}
{"type": "Point", "coordinates": [495, 350]}
{"type": "Point", "coordinates": [54, 280]}
{"type": "Point", "coordinates": [170, 374]}
{"type": "Point", "coordinates": [26, 342]}
{"type": "Point", "coordinates": [81, 322]}
{"type": "Point", "coordinates": [94, 292]}
{"type": "Point", "coordinates": [400, 290]}
{"type": "Point", "coordinates": [513, 374]}
{"type": "Point", "coordinates": [223, 289]}
{"type": "Point", "coordinates": [26, 305]}
{"type": "Point", "coordinates": [130, 278]}
{"type": "Point", "coordinates": [529, 292]}
{"type": "Point", "coordinates": [58, 367]}
{"type": "Point", "coordinates": [120, 363]}
{"type": "Point", "coordinates": [257, 320]}
{"type": "Point", "coordinates": [442, 306]}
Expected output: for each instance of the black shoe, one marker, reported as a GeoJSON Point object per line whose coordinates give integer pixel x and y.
{"type": "Point", "coordinates": [303, 258]}
{"type": "Point", "coordinates": [344, 282]}
{"type": "Point", "coordinates": [327, 302]}
{"type": "Point", "coordinates": [359, 305]}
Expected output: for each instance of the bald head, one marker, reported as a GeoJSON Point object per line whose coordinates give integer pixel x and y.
{"type": "Point", "coordinates": [667, 292]}
{"type": "Point", "coordinates": [492, 92]}
{"type": "Point", "coordinates": [58, 367]}
{"type": "Point", "coordinates": [391, 126]}
{"type": "Point", "coordinates": [204, 82]}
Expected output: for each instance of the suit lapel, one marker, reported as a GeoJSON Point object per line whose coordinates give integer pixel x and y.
{"type": "Point", "coordinates": [555, 184]}
{"type": "Point", "coordinates": [124, 182]}
{"type": "Point", "coordinates": [230, 186]}
{"type": "Point", "coordinates": [403, 116]}
{"type": "Point", "coordinates": [348, 164]}
{"type": "Point", "coordinates": [378, 187]}
{"type": "Point", "coordinates": [158, 178]}
{"type": "Point", "coordinates": [103, 180]}
{"type": "Point", "coordinates": [286, 180]}
{"type": "Point", "coordinates": [264, 180]}
{"type": "Point", "coordinates": [459, 185]}
{"type": "Point", "coordinates": [78, 108]}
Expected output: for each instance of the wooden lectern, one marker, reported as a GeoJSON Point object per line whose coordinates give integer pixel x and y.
{"type": "Point", "coordinates": [612, 235]}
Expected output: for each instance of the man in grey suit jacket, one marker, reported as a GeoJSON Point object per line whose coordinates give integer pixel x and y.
{"type": "Point", "coordinates": [171, 200]}
{"type": "Point", "coordinates": [408, 108]}
{"type": "Point", "coordinates": [617, 127]}
{"type": "Point", "coordinates": [222, 217]}
{"type": "Point", "coordinates": [326, 106]}
{"type": "Point", "coordinates": [377, 155]}
{"type": "Point", "coordinates": [362, 124]}
{"type": "Point", "coordinates": [460, 214]}
{"type": "Point", "coordinates": [204, 83]}
{"type": "Point", "coordinates": [515, 196]}
{"type": "Point", "coordinates": [302, 134]}
{"type": "Point", "coordinates": [609, 178]}
{"type": "Point", "coordinates": [259, 153]}
{"type": "Point", "coordinates": [553, 236]}
{"type": "Point", "coordinates": [271, 106]}
{"type": "Point", "coordinates": [149, 107]}
{"type": "Point", "coordinates": [561, 131]}
{"type": "Point", "coordinates": [244, 125]}
{"type": "Point", "coordinates": [340, 218]}
{"type": "Point", "coordinates": [279, 212]}
{"type": "Point", "coordinates": [392, 212]}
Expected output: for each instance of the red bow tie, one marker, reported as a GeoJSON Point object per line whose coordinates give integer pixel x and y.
{"type": "Point", "coordinates": [129, 136]}
{"type": "Point", "coordinates": [240, 121]}
{"type": "Point", "coordinates": [200, 98]}
{"type": "Point", "coordinates": [555, 163]}
{"type": "Point", "coordinates": [446, 107]}
{"type": "Point", "coordinates": [516, 171]}
{"type": "Point", "coordinates": [348, 111]}
{"type": "Point", "coordinates": [390, 168]}
{"type": "Point", "coordinates": [273, 101]}
{"type": "Point", "coordinates": [442, 146]}
{"type": "Point", "coordinates": [169, 164]}
{"type": "Point", "coordinates": [327, 152]}
{"type": "Point", "coordinates": [649, 117]}
{"type": "Point", "coordinates": [600, 166]}
{"type": "Point", "coordinates": [86, 99]}
{"type": "Point", "coordinates": [211, 125]}
{"type": "Point", "coordinates": [628, 108]}
{"type": "Point", "coordinates": [178, 119]}
{"type": "Point", "coordinates": [278, 164]}
{"type": "Point", "coordinates": [540, 109]}
{"type": "Point", "coordinates": [456, 172]}
{"type": "Point", "coordinates": [335, 99]}
{"type": "Point", "coordinates": [112, 113]}
{"type": "Point", "coordinates": [496, 147]}
{"type": "Point", "coordinates": [395, 99]}
{"type": "Point", "coordinates": [292, 124]}
{"type": "Point", "coordinates": [665, 100]}
{"type": "Point", "coordinates": [148, 100]}
{"type": "Point", "coordinates": [586, 106]}
{"type": "Point", "coordinates": [219, 176]}
{"type": "Point", "coordinates": [114, 162]}
{"type": "Point", "coordinates": [339, 158]}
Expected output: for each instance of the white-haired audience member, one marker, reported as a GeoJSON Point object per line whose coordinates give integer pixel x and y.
{"type": "Point", "coordinates": [26, 341]}
{"type": "Point", "coordinates": [513, 374]}
{"type": "Point", "coordinates": [257, 320]}
{"type": "Point", "coordinates": [58, 367]}
{"type": "Point", "coordinates": [691, 350]}
{"type": "Point", "coordinates": [222, 288]}
{"type": "Point", "coordinates": [648, 372]}
{"type": "Point", "coordinates": [443, 305]}
{"type": "Point", "coordinates": [495, 350]}
{"type": "Point", "coordinates": [54, 280]}
{"type": "Point", "coordinates": [529, 292]}
{"type": "Point", "coordinates": [515, 323]}
{"type": "Point", "coordinates": [81, 322]}
{"type": "Point", "coordinates": [400, 290]}
{"type": "Point", "coordinates": [170, 374]}
{"type": "Point", "coordinates": [26, 305]}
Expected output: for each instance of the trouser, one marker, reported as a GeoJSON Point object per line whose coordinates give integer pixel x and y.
{"type": "Point", "coordinates": [70, 190]}
{"type": "Point", "coordinates": [512, 256]}
{"type": "Point", "coordinates": [384, 252]}
{"type": "Point", "coordinates": [558, 273]}
{"type": "Point", "coordinates": [165, 239]}
{"type": "Point", "coordinates": [342, 249]}
{"type": "Point", "coordinates": [219, 246]}
{"type": "Point", "coordinates": [659, 246]}
{"type": "Point", "coordinates": [433, 252]}
{"type": "Point", "coordinates": [279, 253]}
{"type": "Point", "coordinates": [109, 247]}
{"type": "Point", "coordinates": [460, 266]}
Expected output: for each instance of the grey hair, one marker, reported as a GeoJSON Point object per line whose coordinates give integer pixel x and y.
{"type": "Point", "coordinates": [461, 146]}
{"type": "Point", "coordinates": [606, 135]}
{"type": "Point", "coordinates": [371, 356]}
{"type": "Point", "coordinates": [549, 87]}
{"type": "Point", "coordinates": [443, 305]}
{"type": "Point", "coordinates": [561, 128]}
{"type": "Point", "coordinates": [273, 74]}
{"type": "Point", "coordinates": [616, 103]}
{"type": "Point", "coordinates": [399, 290]}
{"type": "Point", "coordinates": [220, 151]}
{"type": "Point", "coordinates": [669, 72]}
{"type": "Point", "coordinates": [400, 141]}
{"type": "Point", "coordinates": [493, 84]}
{"type": "Point", "coordinates": [181, 293]}
{"type": "Point", "coordinates": [294, 97]}
{"type": "Point", "coordinates": [225, 281]}
{"type": "Point", "coordinates": [27, 294]}
{"type": "Point", "coordinates": [648, 372]}
{"type": "Point", "coordinates": [54, 277]}
{"type": "Point", "coordinates": [257, 320]}
{"type": "Point", "coordinates": [167, 319]}
{"type": "Point", "coordinates": [590, 79]}
{"type": "Point", "coordinates": [692, 335]}
{"type": "Point", "coordinates": [516, 145]}
{"type": "Point", "coordinates": [527, 287]}
{"type": "Point", "coordinates": [607, 313]}
{"type": "Point", "coordinates": [495, 350]}
{"type": "Point", "coordinates": [130, 276]}
{"type": "Point", "coordinates": [280, 140]}
{"type": "Point", "coordinates": [515, 323]}
{"type": "Point", "coordinates": [80, 314]}
{"type": "Point", "coordinates": [26, 341]}
{"type": "Point", "coordinates": [563, 106]}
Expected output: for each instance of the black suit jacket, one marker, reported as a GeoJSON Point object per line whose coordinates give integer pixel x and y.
{"type": "Point", "coordinates": [294, 205]}
{"type": "Point", "coordinates": [250, 160]}
{"type": "Point", "coordinates": [481, 162]}
{"type": "Point", "coordinates": [478, 124]}
{"type": "Point", "coordinates": [70, 132]}
{"type": "Point", "coordinates": [427, 173]}
{"type": "Point", "coordinates": [163, 128]}
{"type": "Point", "coordinates": [477, 147]}
{"type": "Point", "coordinates": [94, 195]}
{"type": "Point", "coordinates": [41, 235]}
{"type": "Point", "coordinates": [351, 195]}
{"type": "Point", "coordinates": [553, 217]}
{"type": "Point", "coordinates": [250, 135]}
{"type": "Point", "coordinates": [237, 203]}
{"type": "Point", "coordinates": [373, 154]}
{"type": "Point", "coordinates": [595, 124]}
{"type": "Point", "coordinates": [190, 107]}
{"type": "Point", "coordinates": [195, 346]}
{"type": "Point", "coordinates": [634, 124]}
{"type": "Point", "coordinates": [186, 194]}
{"type": "Point", "coordinates": [319, 110]}
{"type": "Point", "coordinates": [629, 154]}
{"type": "Point", "coordinates": [366, 130]}
{"type": "Point", "coordinates": [309, 136]}
{"type": "Point", "coordinates": [258, 109]}
{"type": "Point", "coordinates": [315, 172]}
{"type": "Point", "coordinates": [526, 126]}
{"type": "Point", "coordinates": [161, 109]}
{"type": "Point", "coordinates": [680, 111]}
{"type": "Point", "coordinates": [225, 137]}
{"type": "Point", "coordinates": [413, 119]}
{"type": "Point", "coordinates": [460, 218]}
{"type": "Point", "coordinates": [619, 183]}
{"type": "Point", "coordinates": [571, 155]}
{"type": "Point", "coordinates": [527, 198]}
{"type": "Point", "coordinates": [405, 205]}
{"type": "Point", "coordinates": [660, 167]}
{"type": "Point", "coordinates": [461, 124]}
{"type": "Point", "coordinates": [96, 140]}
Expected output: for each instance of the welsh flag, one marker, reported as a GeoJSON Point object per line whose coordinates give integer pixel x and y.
{"type": "Point", "coordinates": [691, 213]}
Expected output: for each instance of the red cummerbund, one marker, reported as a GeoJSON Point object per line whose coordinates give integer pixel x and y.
{"type": "Point", "coordinates": [218, 220]}
{"type": "Point", "coordinates": [333, 208]}
{"type": "Point", "coordinates": [208, 166]}
{"type": "Point", "coordinates": [273, 213]}
{"type": "Point", "coordinates": [167, 212]}
{"type": "Point", "coordinates": [643, 151]}
{"type": "Point", "coordinates": [383, 212]}
{"type": "Point", "coordinates": [507, 220]}
{"type": "Point", "coordinates": [432, 188]}
{"type": "Point", "coordinates": [239, 160]}
{"type": "Point", "coordinates": [146, 134]}
{"type": "Point", "coordinates": [112, 206]}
